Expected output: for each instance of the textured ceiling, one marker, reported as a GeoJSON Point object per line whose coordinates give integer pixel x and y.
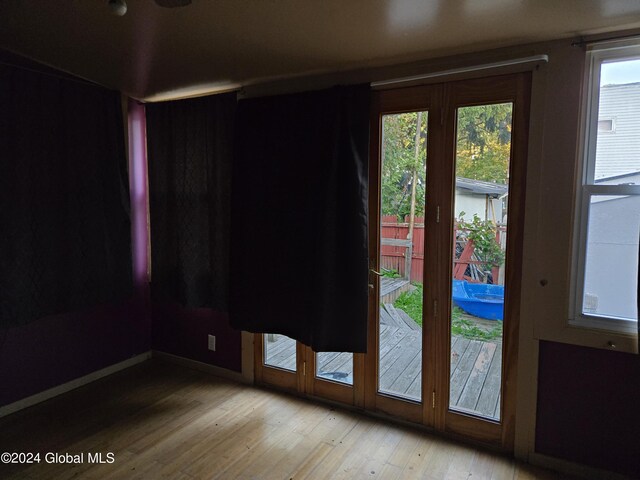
{"type": "Point", "coordinates": [214, 43]}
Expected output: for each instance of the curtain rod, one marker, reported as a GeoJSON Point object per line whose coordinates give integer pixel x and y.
{"type": "Point", "coordinates": [454, 71]}
{"type": "Point", "coordinates": [582, 42]}
{"type": "Point", "coordinates": [61, 76]}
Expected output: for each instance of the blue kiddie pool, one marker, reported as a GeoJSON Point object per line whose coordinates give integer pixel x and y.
{"type": "Point", "coordinates": [479, 299]}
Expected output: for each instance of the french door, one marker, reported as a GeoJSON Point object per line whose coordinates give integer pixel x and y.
{"type": "Point", "coordinates": [285, 363]}
{"type": "Point", "coordinates": [446, 224]}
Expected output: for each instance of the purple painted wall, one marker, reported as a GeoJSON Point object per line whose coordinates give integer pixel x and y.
{"type": "Point", "coordinates": [184, 332]}
{"type": "Point", "coordinates": [61, 348]}
{"type": "Point", "coordinates": [589, 407]}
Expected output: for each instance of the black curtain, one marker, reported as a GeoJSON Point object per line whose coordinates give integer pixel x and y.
{"type": "Point", "coordinates": [299, 217]}
{"type": "Point", "coordinates": [64, 206]}
{"type": "Point", "coordinates": [189, 153]}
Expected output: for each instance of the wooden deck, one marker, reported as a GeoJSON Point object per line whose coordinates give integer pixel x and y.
{"type": "Point", "coordinates": [391, 288]}
{"type": "Point", "coordinates": [475, 366]}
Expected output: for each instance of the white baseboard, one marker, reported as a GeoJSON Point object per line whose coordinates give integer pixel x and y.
{"type": "Point", "coordinates": [575, 469]}
{"type": "Point", "coordinates": [72, 385]}
{"type": "Point", "coordinates": [203, 367]}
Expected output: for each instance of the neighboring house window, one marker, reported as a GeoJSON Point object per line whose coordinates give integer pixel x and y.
{"type": "Point", "coordinates": [606, 125]}
{"type": "Point", "coordinates": [609, 195]}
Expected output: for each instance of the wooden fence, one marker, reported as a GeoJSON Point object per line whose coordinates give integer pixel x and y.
{"type": "Point", "coordinates": [394, 247]}
{"type": "Point", "coordinates": [393, 255]}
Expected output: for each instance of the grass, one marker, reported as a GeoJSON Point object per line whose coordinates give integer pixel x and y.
{"type": "Point", "coordinates": [390, 273]}
{"type": "Point", "coordinates": [411, 303]}
{"type": "Point", "coordinates": [466, 328]}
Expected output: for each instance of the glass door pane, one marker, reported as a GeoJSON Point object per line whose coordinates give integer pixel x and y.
{"type": "Point", "coordinates": [402, 199]}
{"type": "Point", "coordinates": [279, 351]}
{"type": "Point", "coordinates": [483, 151]}
{"type": "Point", "coordinates": [335, 366]}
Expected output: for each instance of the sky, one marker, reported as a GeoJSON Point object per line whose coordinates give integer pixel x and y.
{"type": "Point", "coordinates": [616, 73]}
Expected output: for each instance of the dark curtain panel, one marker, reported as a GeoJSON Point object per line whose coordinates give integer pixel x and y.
{"type": "Point", "coordinates": [189, 151]}
{"type": "Point", "coordinates": [64, 206]}
{"type": "Point", "coordinates": [299, 218]}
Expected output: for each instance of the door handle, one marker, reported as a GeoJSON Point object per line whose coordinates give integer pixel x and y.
{"type": "Point", "coordinates": [377, 273]}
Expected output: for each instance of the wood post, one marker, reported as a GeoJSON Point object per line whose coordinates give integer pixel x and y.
{"type": "Point", "coordinates": [412, 210]}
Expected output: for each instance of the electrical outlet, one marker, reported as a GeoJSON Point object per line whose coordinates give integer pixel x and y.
{"type": "Point", "coordinates": [212, 343]}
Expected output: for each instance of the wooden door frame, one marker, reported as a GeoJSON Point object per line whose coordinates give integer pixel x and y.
{"type": "Point", "coordinates": [274, 376]}
{"type": "Point", "coordinates": [443, 100]}
{"type": "Point", "coordinates": [384, 102]}
{"type": "Point", "coordinates": [327, 389]}
{"type": "Point", "coordinates": [514, 88]}
{"type": "Point", "coordinates": [303, 381]}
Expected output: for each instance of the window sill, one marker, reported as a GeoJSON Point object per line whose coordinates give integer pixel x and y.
{"type": "Point", "coordinates": [605, 324]}
{"type": "Point", "coordinates": [591, 337]}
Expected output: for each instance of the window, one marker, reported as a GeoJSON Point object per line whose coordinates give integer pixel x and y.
{"type": "Point", "coordinates": [605, 125]}
{"type": "Point", "coordinates": [609, 196]}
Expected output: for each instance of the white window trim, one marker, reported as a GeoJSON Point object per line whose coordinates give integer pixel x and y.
{"type": "Point", "coordinates": [621, 333]}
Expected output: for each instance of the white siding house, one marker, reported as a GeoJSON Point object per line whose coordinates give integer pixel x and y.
{"type": "Point", "coordinates": [618, 149]}
{"type": "Point", "coordinates": [484, 199]}
{"type": "Point", "coordinates": [612, 238]}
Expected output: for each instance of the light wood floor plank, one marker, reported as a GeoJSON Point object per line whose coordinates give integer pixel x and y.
{"type": "Point", "coordinates": [168, 422]}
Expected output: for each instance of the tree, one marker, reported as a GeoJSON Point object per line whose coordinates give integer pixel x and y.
{"type": "Point", "coordinates": [482, 153]}
{"type": "Point", "coordinates": [484, 142]}
{"type": "Point", "coordinates": [403, 166]}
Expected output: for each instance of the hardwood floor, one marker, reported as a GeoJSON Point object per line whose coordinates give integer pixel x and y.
{"type": "Point", "coordinates": [164, 421]}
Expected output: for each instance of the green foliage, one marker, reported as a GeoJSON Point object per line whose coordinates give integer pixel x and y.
{"type": "Point", "coordinates": [390, 273]}
{"type": "Point", "coordinates": [483, 234]}
{"type": "Point", "coordinates": [464, 327]}
{"type": "Point", "coordinates": [411, 303]}
{"type": "Point", "coordinates": [484, 142]}
{"type": "Point", "coordinates": [483, 150]}
{"type": "Point", "coordinates": [399, 161]}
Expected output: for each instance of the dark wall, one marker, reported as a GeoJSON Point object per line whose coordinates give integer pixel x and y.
{"type": "Point", "coordinates": [589, 407]}
{"type": "Point", "coordinates": [183, 332]}
{"type": "Point", "coordinates": [61, 348]}
{"type": "Point", "coordinates": [56, 349]}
